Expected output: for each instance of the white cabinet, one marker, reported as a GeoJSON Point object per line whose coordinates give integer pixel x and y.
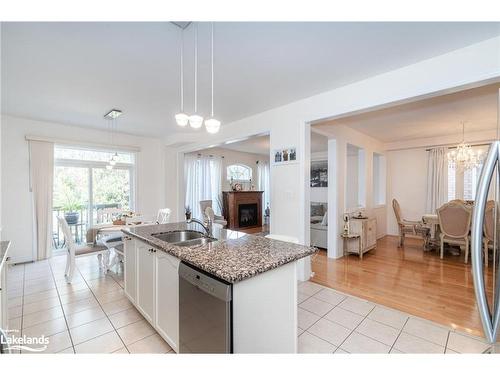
{"type": "Point", "coordinates": [152, 285]}
{"type": "Point", "coordinates": [167, 298]}
{"type": "Point", "coordinates": [130, 261]}
{"type": "Point", "coordinates": [367, 230]}
{"type": "Point", "coordinates": [146, 280]}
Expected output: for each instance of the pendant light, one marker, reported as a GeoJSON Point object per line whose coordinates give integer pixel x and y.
{"type": "Point", "coordinates": [181, 118]}
{"type": "Point", "coordinates": [195, 120]}
{"type": "Point", "coordinates": [212, 124]}
{"type": "Point", "coordinates": [112, 116]}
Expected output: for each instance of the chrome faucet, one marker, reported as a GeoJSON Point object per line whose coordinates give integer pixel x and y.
{"type": "Point", "coordinates": [208, 227]}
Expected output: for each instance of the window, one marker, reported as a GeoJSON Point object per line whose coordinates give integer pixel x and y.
{"type": "Point", "coordinates": [239, 172]}
{"type": "Point", "coordinates": [462, 184]}
{"type": "Point", "coordinates": [379, 178]}
{"type": "Point", "coordinates": [82, 185]}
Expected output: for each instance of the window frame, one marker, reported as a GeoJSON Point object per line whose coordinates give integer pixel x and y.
{"type": "Point", "coordinates": [228, 177]}
{"type": "Point", "coordinates": [90, 165]}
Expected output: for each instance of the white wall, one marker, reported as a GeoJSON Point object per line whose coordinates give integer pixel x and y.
{"type": "Point", "coordinates": [407, 182]}
{"type": "Point", "coordinates": [16, 200]}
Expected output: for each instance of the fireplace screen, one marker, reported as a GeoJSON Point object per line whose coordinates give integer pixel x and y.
{"type": "Point", "coordinates": [247, 215]}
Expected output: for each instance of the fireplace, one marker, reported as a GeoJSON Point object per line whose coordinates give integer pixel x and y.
{"type": "Point", "coordinates": [248, 215]}
{"type": "Point", "coordinates": [242, 209]}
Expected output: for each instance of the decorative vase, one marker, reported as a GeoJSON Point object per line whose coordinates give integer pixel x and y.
{"type": "Point", "coordinates": [71, 217]}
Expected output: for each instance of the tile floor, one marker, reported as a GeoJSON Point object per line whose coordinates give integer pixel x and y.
{"type": "Point", "coordinates": [92, 315]}
{"type": "Point", "coordinates": [333, 322]}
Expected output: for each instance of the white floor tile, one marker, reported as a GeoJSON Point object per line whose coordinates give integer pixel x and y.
{"type": "Point", "coordinates": [378, 331]}
{"type": "Point", "coordinates": [330, 296]}
{"type": "Point", "coordinates": [427, 331]}
{"type": "Point", "coordinates": [59, 342]}
{"type": "Point", "coordinates": [465, 344]}
{"type": "Point", "coordinates": [306, 318]}
{"type": "Point", "coordinates": [135, 332]}
{"type": "Point", "coordinates": [47, 328]}
{"type": "Point", "coordinates": [389, 317]}
{"type": "Point", "coordinates": [90, 330]}
{"type": "Point", "coordinates": [316, 306]}
{"type": "Point", "coordinates": [42, 316]}
{"type": "Point", "coordinates": [107, 343]}
{"type": "Point", "coordinates": [345, 318]}
{"type": "Point", "coordinates": [358, 343]}
{"type": "Point", "coordinates": [86, 316]}
{"type": "Point", "coordinates": [332, 332]}
{"type": "Point", "coordinates": [125, 317]}
{"type": "Point", "coordinates": [308, 343]}
{"type": "Point", "coordinates": [151, 344]}
{"type": "Point", "coordinates": [309, 288]}
{"type": "Point", "coordinates": [357, 305]}
{"type": "Point", "coordinates": [412, 344]}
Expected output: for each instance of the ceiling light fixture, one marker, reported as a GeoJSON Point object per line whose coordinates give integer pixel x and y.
{"type": "Point", "coordinates": [181, 118]}
{"type": "Point", "coordinates": [464, 157]}
{"type": "Point", "coordinates": [112, 116]}
{"type": "Point", "coordinates": [212, 124]}
{"type": "Point", "coordinates": [195, 120]}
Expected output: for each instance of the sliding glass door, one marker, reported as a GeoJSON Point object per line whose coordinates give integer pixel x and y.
{"type": "Point", "coordinates": [83, 184]}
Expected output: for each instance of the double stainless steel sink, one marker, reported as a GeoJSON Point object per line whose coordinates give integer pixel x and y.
{"type": "Point", "coordinates": [184, 238]}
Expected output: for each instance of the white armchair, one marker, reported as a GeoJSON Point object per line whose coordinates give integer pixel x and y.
{"type": "Point", "coordinates": [217, 219]}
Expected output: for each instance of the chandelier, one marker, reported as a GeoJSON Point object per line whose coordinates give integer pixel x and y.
{"type": "Point", "coordinates": [464, 157]}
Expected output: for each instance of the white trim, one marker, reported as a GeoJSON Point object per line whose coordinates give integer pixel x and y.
{"type": "Point", "coordinates": [69, 142]}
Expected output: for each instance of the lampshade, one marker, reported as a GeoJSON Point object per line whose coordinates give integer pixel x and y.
{"type": "Point", "coordinates": [196, 121]}
{"type": "Point", "coordinates": [212, 125]}
{"type": "Point", "coordinates": [182, 119]}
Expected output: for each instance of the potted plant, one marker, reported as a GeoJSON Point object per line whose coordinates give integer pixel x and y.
{"type": "Point", "coordinates": [71, 213]}
{"type": "Point", "coordinates": [188, 213]}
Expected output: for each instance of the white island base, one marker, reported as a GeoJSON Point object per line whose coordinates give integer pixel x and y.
{"type": "Point", "coordinates": [264, 315]}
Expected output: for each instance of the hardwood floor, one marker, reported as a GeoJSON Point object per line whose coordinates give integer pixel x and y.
{"type": "Point", "coordinates": [263, 229]}
{"type": "Point", "coordinates": [408, 279]}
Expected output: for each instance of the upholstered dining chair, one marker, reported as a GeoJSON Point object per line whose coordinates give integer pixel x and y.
{"type": "Point", "coordinates": [489, 230]}
{"type": "Point", "coordinates": [75, 251]}
{"type": "Point", "coordinates": [454, 221]}
{"type": "Point", "coordinates": [216, 218]}
{"type": "Point", "coordinates": [405, 227]}
{"type": "Point", "coordinates": [163, 216]}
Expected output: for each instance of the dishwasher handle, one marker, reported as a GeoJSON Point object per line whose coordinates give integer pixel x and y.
{"type": "Point", "coordinates": [205, 282]}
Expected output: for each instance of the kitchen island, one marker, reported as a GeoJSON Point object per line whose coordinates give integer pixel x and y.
{"type": "Point", "coordinates": [260, 274]}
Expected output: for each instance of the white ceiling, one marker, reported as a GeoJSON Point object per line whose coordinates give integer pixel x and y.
{"type": "Point", "coordinates": [434, 117]}
{"type": "Point", "coordinates": [74, 72]}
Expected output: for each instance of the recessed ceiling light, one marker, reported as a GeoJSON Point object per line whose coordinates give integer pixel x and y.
{"type": "Point", "coordinates": [114, 113]}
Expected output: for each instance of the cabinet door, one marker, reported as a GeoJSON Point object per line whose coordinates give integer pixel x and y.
{"type": "Point", "coordinates": [167, 298]}
{"type": "Point", "coordinates": [371, 236]}
{"type": "Point", "coordinates": [145, 280]}
{"type": "Point", "coordinates": [130, 260]}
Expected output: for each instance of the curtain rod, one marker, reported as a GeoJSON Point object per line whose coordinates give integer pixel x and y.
{"type": "Point", "coordinates": [451, 147]}
{"type": "Point", "coordinates": [68, 142]}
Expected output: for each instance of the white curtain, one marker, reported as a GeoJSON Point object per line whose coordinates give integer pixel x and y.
{"type": "Point", "coordinates": [216, 181]}
{"type": "Point", "coordinates": [263, 172]}
{"type": "Point", "coordinates": [41, 187]}
{"type": "Point", "coordinates": [437, 170]}
{"type": "Point", "coordinates": [202, 181]}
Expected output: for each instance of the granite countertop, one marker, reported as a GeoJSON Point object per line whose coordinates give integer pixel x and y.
{"type": "Point", "coordinates": [236, 256]}
{"type": "Point", "coordinates": [4, 249]}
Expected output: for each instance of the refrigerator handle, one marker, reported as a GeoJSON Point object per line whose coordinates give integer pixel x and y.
{"type": "Point", "coordinates": [477, 240]}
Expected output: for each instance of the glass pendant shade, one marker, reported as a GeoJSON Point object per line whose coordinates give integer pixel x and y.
{"type": "Point", "coordinates": [182, 119]}
{"type": "Point", "coordinates": [212, 125]}
{"type": "Point", "coordinates": [196, 121]}
{"type": "Point", "coordinates": [109, 167]}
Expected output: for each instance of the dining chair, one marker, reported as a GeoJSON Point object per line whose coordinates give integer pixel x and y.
{"type": "Point", "coordinates": [216, 218]}
{"type": "Point", "coordinates": [454, 222]}
{"type": "Point", "coordinates": [489, 231]}
{"type": "Point", "coordinates": [107, 215]}
{"type": "Point", "coordinates": [416, 228]}
{"type": "Point", "coordinates": [163, 216]}
{"type": "Point", "coordinates": [74, 251]}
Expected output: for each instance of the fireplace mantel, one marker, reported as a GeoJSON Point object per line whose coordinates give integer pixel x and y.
{"type": "Point", "coordinates": [233, 199]}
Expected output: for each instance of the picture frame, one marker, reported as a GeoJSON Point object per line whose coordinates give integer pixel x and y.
{"type": "Point", "coordinates": [319, 173]}
{"type": "Point", "coordinates": [284, 155]}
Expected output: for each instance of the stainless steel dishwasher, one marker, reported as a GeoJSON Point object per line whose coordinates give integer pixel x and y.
{"type": "Point", "coordinates": [205, 312]}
